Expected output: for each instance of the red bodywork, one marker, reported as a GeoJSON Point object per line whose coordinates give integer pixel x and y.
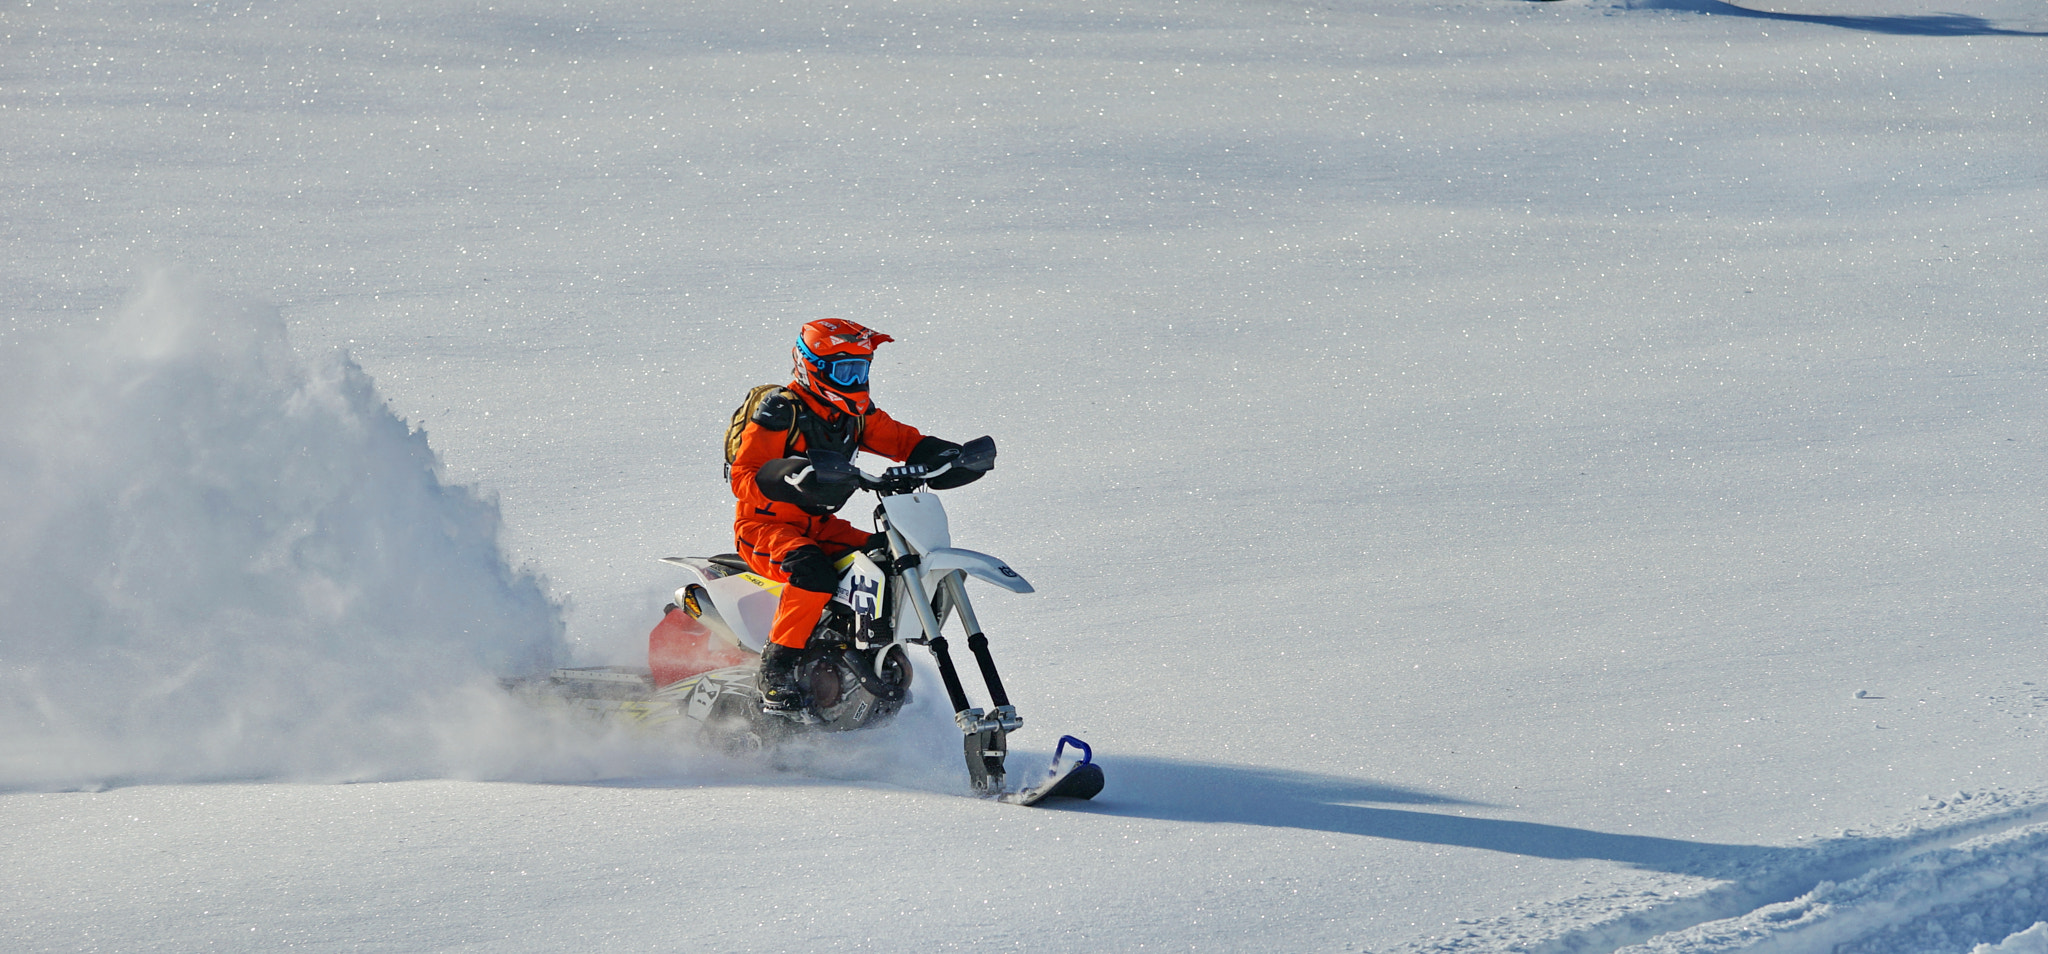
{"type": "Point", "coordinates": [681, 647]}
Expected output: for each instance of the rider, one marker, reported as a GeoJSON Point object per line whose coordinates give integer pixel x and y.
{"type": "Point", "coordinates": [784, 523]}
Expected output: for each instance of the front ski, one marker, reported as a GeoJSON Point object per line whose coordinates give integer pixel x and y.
{"type": "Point", "coordinates": [1078, 780]}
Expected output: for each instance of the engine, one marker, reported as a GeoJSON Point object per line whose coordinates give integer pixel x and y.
{"type": "Point", "coordinates": [852, 688]}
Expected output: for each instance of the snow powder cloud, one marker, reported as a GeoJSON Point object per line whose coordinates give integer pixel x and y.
{"type": "Point", "coordinates": [220, 560]}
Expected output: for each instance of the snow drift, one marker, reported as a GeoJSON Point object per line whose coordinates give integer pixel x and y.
{"type": "Point", "coordinates": [219, 560]}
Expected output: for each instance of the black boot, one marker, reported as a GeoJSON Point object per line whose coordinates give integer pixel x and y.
{"type": "Point", "coordinates": [780, 693]}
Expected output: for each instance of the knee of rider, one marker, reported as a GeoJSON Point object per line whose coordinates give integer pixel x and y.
{"type": "Point", "coordinates": [810, 569]}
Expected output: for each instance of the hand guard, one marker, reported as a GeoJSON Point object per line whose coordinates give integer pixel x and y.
{"type": "Point", "coordinates": [820, 483]}
{"type": "Point", "coordinates": [933, 453]}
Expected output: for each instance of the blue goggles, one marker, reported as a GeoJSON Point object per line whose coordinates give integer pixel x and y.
{"type": "Point", "coordinates": [848, 372]}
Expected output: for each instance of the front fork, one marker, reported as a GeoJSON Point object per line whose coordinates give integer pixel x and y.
{"type": "Point", "coordinates": [984, 735]}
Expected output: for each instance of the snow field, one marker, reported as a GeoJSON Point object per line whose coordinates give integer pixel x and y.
{"type": "Point", "coordinates": [1499, 476]}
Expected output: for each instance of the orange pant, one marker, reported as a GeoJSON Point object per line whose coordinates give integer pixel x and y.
{"type": "Point", "coordinates": [764, 543]}
{"type": "Point", "coordinates": [796, 616]}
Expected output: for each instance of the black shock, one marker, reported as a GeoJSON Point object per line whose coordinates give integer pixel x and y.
{"type": "Point", "coordinates": [949, 675]}
{"type": "Point", "coordinates": [978, 644]}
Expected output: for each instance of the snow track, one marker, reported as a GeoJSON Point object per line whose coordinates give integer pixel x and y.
{"type": "Point", "coordinates": [1981, 873]}
{"type": "Point", "coordinates": [1933, 901]}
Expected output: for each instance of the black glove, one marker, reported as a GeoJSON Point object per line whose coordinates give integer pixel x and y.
{"type": "Point", "coordinates": [810, 569]}
{"type": "Point", "coordinates": [932, 454]}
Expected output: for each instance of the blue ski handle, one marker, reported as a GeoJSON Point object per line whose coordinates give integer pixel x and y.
{"type": "Point", "coordinates": [1087, 754]}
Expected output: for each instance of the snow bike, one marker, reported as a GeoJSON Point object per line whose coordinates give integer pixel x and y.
{"type": "Point", "coordinates": [855, 671]}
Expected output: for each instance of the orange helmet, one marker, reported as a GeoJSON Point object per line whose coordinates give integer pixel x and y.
{"type": "Point", "coordinates": [832, 360]}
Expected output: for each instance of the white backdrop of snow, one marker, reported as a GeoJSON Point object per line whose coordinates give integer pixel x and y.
{"type": "Point", "coordinates": [1499, 476]}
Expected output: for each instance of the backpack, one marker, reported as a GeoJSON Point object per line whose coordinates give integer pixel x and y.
{"type": "Point", "coordinates": [740, 417]}
{"type": "Point", "coordinates": [815, 431]}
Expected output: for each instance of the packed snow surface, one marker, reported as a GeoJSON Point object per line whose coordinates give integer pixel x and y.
{"type": "Point", "coordinates": [1497, 476]}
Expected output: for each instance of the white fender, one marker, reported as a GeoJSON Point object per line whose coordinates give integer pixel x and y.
{"type": "Point", "coordinates": [937, 563]}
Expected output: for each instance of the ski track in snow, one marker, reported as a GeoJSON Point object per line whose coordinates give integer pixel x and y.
{"type": "Point", "coordinates": [1976, 867]}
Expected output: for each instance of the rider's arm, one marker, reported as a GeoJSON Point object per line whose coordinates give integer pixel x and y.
{"type": "Point", "coordinates": [898, 441]}
{"type": "Point", "coordinates": [888, 437]}
{"type": "Point", "coordinates": [764, 439]}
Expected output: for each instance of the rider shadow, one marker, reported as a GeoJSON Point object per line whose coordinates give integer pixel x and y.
{"type": "Point", "coordinates": [1933, 24]}
{"type": "Point", "coordinates": [1276, 798]}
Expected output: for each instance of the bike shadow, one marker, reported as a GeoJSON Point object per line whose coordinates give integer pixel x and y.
{"type": "Point", "coordinates": [1932, 24]}
{"type": "Point", "coordinates": [1170, 790]}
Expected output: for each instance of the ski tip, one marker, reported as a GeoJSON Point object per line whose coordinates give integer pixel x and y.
{"type": "Point", "coordinates": [1080, 781]}
{"type": "Point", "coordinates": [1085, 783]}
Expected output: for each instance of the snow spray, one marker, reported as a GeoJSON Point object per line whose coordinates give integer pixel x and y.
{"type": "Point", "coordinates": [218, 560]}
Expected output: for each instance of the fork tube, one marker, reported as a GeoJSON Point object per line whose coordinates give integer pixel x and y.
{"type": "Point", "coordinates": [976, 642]}
{"type": "Point", "coordinates": [922, 602]}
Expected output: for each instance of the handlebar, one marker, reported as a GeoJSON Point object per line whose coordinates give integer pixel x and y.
{"type": "Point", "coordinates": [901, 479]}
{"type": "Point", "coordinates": [976, 455]}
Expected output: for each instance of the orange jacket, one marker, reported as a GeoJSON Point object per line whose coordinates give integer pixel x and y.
{"type": "Point", "coordinates": [765, 529]}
